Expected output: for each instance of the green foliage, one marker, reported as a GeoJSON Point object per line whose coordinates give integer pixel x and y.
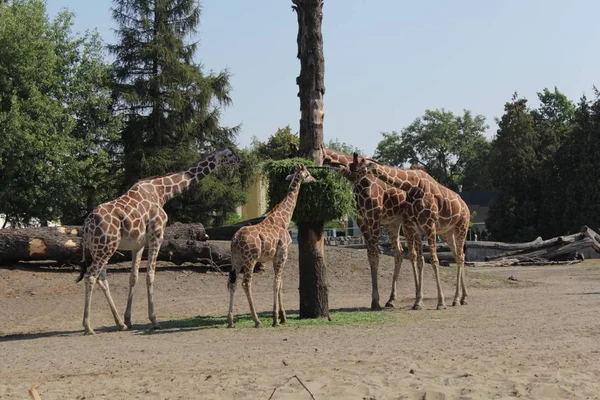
{"type": "Point", "coordinates": [525, 158]}
{"type": "Point", "coordinates": [171, 108]}
{"type": "Point", "coordinates": [277, 147]}
{"type": "Point", "coordinates": [343, 147]}
{"type": "Point", "coordinates": [55, 118]}
{"type": "Point", "coordinates": [441, 142]}
{"type": "Point", "coordinates": [576, 170]}
{"type": "Point", "coordinates": [330, 198]}
{"type": "Point", "coordinates": [514, 172]}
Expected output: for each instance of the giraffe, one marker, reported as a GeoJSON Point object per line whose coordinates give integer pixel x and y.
{"type": "Point", "coordinates": [436, 209]}
{"type": "Point", "coordinates": [132, 221]}
{"type": "Point", "coordinates": [378, 205]}
{"type": "Point", "coordinates": [266, 241]}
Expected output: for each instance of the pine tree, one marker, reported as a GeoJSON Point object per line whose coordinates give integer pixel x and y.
{"type": "Point", "coordinates": [170, 107]}
{"type": "Point", "coordinates": [514, 215]}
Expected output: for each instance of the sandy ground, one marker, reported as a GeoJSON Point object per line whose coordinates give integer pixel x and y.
{"type": "Point", "coordinates": [536, 337]}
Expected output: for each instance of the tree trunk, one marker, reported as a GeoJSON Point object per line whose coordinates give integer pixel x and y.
{"type": "Point", "coordinates": [313, 274]}
{"type": "Point", "coordinates": [313, 288]}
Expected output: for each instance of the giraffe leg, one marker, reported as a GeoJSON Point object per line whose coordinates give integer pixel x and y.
{"type": "Point", "coordinates": [100, 257]}
{"type": "Point", "coordinates": [136, 257]}
{"type": "Point", "coordinates": [90, 281]}
{"type": "Point", "coordinates": [371, 236]}
{"type": "Point", "coordinates": [232, 286]}
{"type": "Point", "coordinates": [247, 285]}
{"type": "Point", "coordinates": [103, 283]}
{"type": "Point", "coordinates": [394, 235]}
{"type": "Point", "coordinates": [152, 255]}
{"type": "Point", "coordinates": [412, 251]}
{"type": "Point", "coordinates": [278, 265]}
{"type": "Point", "coordinates": [282, 314]}
{"type": "Point", "coordinates": [460, 260]}
{"type": "Point", "coordinates": [418, 246]}
{"type": "Point", "coordinates": [435, 265]}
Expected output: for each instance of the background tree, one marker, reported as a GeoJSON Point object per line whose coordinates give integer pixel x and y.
{"type": "Point", "coordinates": [313, 288]}
{"type": "Point", "coordinates": [55, 119]}
{"type": "Point", "coordinates": [277, 147]}
{"type": "Point", "coordinates": [171, 109]}
{"type": "Point", "coordinates": [576, 180]}
{"type": "Point", "coordinates": [525, 159]}
{"type": "Point", "coordinates": [343, 147]}
{"type": "Point", "coordinates": [514, 215]}
{"type": "Point", "coordinates": [554, 121]}
{"type": "Point", "coordinates": [444, 144]}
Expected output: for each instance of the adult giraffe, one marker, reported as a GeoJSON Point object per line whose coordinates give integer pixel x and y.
{"type": "Point", "coordinates": [132, 221]}
{"type": "Point", "coordinates": [435, 209]}
{"type": "Point", "coordinates": [378, 206]}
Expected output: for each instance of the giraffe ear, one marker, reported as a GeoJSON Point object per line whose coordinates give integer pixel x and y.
{"type": "Point", "coordinates": [355, 157]}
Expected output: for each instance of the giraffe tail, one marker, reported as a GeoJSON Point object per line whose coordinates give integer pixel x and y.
{"type": "Point", "coordinates": [83, 265]}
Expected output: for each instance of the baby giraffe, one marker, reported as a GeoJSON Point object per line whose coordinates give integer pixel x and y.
{"type": "Point", "coordinates": [266, 241]}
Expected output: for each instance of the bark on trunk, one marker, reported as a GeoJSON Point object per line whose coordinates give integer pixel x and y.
{"type": "Point", "coordinates": [311, 89]}
{"type": "Point", "coordinates": [314, 300]}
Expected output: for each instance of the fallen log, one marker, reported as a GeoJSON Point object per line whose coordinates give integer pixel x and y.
{"type": "Point", "coordinates": [226, 232]}
{"type": "Point", "coordinates": [182, 243]}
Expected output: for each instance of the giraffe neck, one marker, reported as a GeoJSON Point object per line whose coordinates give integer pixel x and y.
{"type": "Point", "coordinates": [282, 213]}
{"type": "Point", "coordinates": [332, 156]}
{"type": "Point", "coordinates": [400, 178]}
{"type": "Point", "coordinates": [172, 185]}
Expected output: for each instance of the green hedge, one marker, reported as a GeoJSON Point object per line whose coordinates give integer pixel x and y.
{"type": "Point", "coordinates": [330, 198]}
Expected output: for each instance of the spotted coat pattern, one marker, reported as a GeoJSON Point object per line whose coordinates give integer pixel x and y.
{"type": "Point", "coordinates": [267, 241]}
{"type": "Point", "coordinates": [131, 222]}
{"type": "Point", "coordinates": [378, 206]}
{"type": "Point", "coordinates": [435, 209]}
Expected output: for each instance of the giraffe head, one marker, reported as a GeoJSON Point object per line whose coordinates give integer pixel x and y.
{"type": "Point", "coordinates": [302, 175]}
{"type": "Point", "coordinates": [362, 166]}
{"type": "Point", "coordinates": [226, 157]}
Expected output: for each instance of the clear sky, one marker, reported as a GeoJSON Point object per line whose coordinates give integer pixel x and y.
{"type": "Point", "coordinates": [387, 61]}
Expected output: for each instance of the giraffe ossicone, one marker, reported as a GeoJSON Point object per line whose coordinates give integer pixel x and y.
{"type": "Point", "coordinates": [131, 222]}
{"type": "Point", "coordinates": [267, 241]}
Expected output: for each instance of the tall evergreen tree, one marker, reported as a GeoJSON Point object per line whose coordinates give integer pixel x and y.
{"type": "Point", "coordinates": [577, 165]}
{"type": "Point", "coordinates": [171, 108]}
{"type": "Point", "coordinates": [514, 215]}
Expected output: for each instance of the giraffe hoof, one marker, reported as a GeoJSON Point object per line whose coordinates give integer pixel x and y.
{"type": "Point", "coordinates": [376, 307]}
{"type": "Point", "coordinates": [123, 327]}
{"type": "Point", "coordinates": [441, 307]}
{"type": "Point", "coordinates": [230, 325]}
{"type": "Point", "coordinates": [389, 304]}
{"type": "Point", "coordinates": [89, 332]}
{"type": "Point", "coordinates": [129, 325]}
{"type": "Point", "coordinates": [156, 326]}
{"type": "Point", "coordinates": [417, 307]}
{"type": "Point", "coordinates": [455, 303]}
{"type": "Point", "coordinates": [282, 321]}
{"type": "Point", "coordinates": [258, 325]}
{"type": "Point", "coordinates": [276, 325]}
{"type": "Point", "coordinates": [464, 302]}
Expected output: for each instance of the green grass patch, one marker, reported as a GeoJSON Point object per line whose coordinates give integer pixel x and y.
{"type": "Point", "coordinates": [338, 317]}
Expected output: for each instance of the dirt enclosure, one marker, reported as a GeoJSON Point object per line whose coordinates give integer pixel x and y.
{"type": "Point", "coordinates": [533, 336]}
